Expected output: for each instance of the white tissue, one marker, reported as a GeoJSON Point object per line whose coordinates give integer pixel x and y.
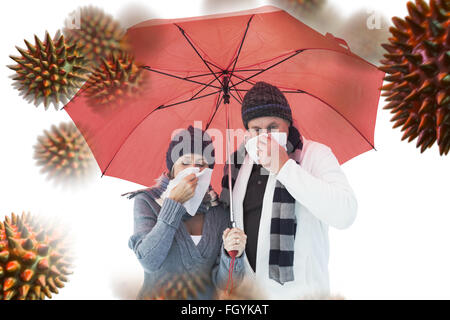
{"type": "Point", "coordinates": [204, 179]}
{"type": "Point", "coordinates": [251, 145]}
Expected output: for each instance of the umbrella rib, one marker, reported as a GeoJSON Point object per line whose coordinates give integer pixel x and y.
{"type": "Point", "coordinates": [240, 98]}
{"type": "Point", "coordinates": [248, 70]}
{"type": "Point", "coordinates": [143, 119]}
{"type": "Point", "coordinates": [340, 114]}
{"type": "Point", "coordinates": [202, 88]}
{"type": "Point", "coordinates": [217, 107]}
{"type": "Point", "coordinates": [242, 43]}
{"type": "Point", "coordinates": [241, 78]}
{"type": "Point", "coordinates": [214, 65]}
{"type": "Point", "coordinates": [215, 111]}
{"type": "Point", "coordinates": [202, 75]}
{"type": "Point", "coordinates": [178, 77]}
{"type": "Point", "coordinates": [235, 98]}
{"type": "Point", "coordinates": [196, 51]}
{"type": "Point", "coordinates": [269, 67]}
{"type": "Point", "coordinates": [184, 101]}
{"type": "Point", "coordinates": [345, 118]}
{"type": "Point", "coordinates": [294, 91]}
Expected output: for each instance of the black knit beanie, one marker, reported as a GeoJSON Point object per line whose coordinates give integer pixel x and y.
{"type": "Point", "coordinates": [190, 141]}
{"type": "Point", "coordinates": [265, 100]}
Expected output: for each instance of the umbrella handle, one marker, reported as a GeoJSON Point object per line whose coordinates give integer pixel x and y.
{"type": "Point", "coordinates": [232, 254]}
{"type": "Point", "coordinates": [338, 40]}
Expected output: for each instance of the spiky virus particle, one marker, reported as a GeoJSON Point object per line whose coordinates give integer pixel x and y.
{"type": "Point", "coordinates": [63, 153]}
{"type": "Point", "coordinates": [180, 286]}
{"type": "Point", "coordinates": [32, 259]}
{"type": "Point", "coordinates": [117, 79]}
{"type": "Point", "coordinates": [307, 4]}
{"type": "Point", "coordinates": [132, 12]}
{"type": "Point", "coordinates": [321, 15]}
{"type": "Point", "coordinates": [216, 6]}
{"type": "Point", "coordinates": [418, 63]}
{"type": "Point", "coordinates": [51, 71]}
{"type": "Point", "coordinates": [125, 285]}
{"type": "Point", "coordinates": [96, 32]}
{"type": "Point", "coordinates": [364, 34]}
{"type": "Point", "coordinates": [243, 291]}
{"type": "Point", "coordinates": [301, 7]}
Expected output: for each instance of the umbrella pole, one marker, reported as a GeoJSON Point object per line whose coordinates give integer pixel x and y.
{"type": "Point", "coordinates": [230, 189]}
{"type": "Point", "coordinates": [226, 101]}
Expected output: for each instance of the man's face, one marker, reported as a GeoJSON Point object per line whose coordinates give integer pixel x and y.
{"type": "Point", "coordinates": [261, 125]}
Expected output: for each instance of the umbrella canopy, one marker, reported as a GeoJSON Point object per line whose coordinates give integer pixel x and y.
{"type": "Point", "coordinates": [195, 65]}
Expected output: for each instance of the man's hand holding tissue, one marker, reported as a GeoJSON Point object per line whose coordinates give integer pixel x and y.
{"type": "Point", "coordinates": [234, 239]}
{"type": "Point", "coordinates": [272, 155]}
{"type": "Point", "coordinates": [185, 189]}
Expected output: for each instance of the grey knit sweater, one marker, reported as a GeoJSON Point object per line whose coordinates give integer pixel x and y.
{"type": "Point", "coordinates": [172, 263]}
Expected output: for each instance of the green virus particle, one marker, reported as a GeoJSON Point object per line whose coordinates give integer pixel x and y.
{"type": "Point", "coordinates": [49, 71]}
{"type": "Point", "coordinates": [96, 32]}
{"type": "Point", "coordinates": [63, 153]}
{"type": "Point", "coordinates": [418, 64]}
{"type": "Point", "coordinates": [114, 81]}
{"type": "Point", "coordinates": [34, 261]}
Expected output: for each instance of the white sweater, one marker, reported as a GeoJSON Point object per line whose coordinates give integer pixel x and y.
{"type": "Point", "coordinates": [323, 197]}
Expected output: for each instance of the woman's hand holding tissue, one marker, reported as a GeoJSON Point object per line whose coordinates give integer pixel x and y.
{"type": "Point", "coordinates": [185, 189]}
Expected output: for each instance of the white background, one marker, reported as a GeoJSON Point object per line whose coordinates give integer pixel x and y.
{"type": "Point", "coordinates": [398, 247]}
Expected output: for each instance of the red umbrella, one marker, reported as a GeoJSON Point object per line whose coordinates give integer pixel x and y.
{"type": "Point", "coordinates": [199, 67]}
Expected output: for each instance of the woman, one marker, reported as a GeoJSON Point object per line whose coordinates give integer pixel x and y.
{"type": "Point", "coordinates": [184, 256]}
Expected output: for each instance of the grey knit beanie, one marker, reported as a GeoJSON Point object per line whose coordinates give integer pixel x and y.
{"type": "Point", "coordinates": [265, 100]}
{"type": "Point", "coordinates": [190, 141]}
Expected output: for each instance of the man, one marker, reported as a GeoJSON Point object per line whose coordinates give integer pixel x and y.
{"type": "Point", "coordinates": [286, 202]}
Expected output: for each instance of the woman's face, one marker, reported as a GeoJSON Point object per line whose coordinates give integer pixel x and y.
{"type": "Point", "coordinates": [189, 160]}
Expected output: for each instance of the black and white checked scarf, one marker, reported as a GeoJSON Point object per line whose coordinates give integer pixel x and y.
{"type": "Point", "coordinates": [284, 223]}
